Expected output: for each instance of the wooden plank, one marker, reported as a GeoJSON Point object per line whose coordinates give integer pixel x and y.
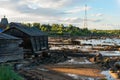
{"type": "Point", "coordinates": [18, 51]}
{"type": "Point", "coordinates": [33, 44]}
{"type": "Point", "coordinates": [10, 50]}
{"type": "Point", "coordinates": [37, 43]}
{"type": "Point", "coordinates": [11, 57]}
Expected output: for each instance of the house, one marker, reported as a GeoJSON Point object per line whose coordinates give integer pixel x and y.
{"type": "Point", "coordinates": [9, 48]}
{"type": "Point", "coordinates": [34, 40]}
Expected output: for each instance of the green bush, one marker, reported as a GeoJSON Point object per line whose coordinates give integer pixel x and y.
{"type": "Point", "coordinates": [7, 73]}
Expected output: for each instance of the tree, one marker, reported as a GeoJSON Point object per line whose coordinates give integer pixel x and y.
{"type": "Point", "coordinates": [60, 29]}
{"type": "Point", "coordinates": [27, 24]}
{"type": "Point", "coordinates": [37, 25]}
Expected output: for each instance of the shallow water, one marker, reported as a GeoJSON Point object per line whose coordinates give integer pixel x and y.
{"type": "Point", "coordinates": [108, 76]}
{"type": "Point", "coordinates": [101, 41]}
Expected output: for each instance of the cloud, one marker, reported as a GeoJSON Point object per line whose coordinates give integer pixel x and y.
{"type": "Point", "coordinates": [39, 11]}
{"type": "Point", "coordinates": [41, 7]}
{"type": "Point", "coordinates": [54, 3]}
{"type": "Point", "coordinates": [48, 11]}
{"type": "Point", "coordinates": [98, 14]}
{"type": "Point", "coordinates": [21, 12]}
{"type": "Point", "coordinates": [77, 9]}
{"type": "Point", "coordinates": [44, 8]}
{"type": "Point", "coordinates": [97, 20]}
{"type": "Point", "coordinates": [72, 20]}
{"type": "Point", "coordinates": [19, 6]}
{"type": "Point", "coordinates": [48, 4]}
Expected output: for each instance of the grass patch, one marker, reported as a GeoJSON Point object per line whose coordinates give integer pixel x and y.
{"type": "Point", "coordinates": [7, 73]}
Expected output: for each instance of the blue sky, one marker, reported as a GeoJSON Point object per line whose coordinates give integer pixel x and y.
{"type": "Point", "coordinates": [102, 14]}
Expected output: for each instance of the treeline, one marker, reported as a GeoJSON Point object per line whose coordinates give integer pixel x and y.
{"type": "Point", "coordinates": [60, 29]}
{"type": "Point", "coordinates": [106, 32]}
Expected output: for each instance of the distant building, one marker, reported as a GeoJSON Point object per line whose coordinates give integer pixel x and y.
{"type": "Point", "coordinates": [4, 21]}
{"type": "Point", "coordinates": [34, 40]}
{"type": "Point", "coordinates": [9, 48]}
{"type": "Point", "coordinates": [3, 24]}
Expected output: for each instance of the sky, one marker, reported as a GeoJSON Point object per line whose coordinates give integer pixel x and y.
{"type": "Point", "coordinates": [101, 14]}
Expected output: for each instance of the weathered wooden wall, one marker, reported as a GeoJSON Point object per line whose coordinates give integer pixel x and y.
{"type": "Point", "coordinates": [10, 50]}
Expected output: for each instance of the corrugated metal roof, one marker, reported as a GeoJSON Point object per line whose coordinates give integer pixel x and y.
{"type": "Point", "coordinates": [5, 36]}
{"type": "Point", "coordinates": [33, 31]}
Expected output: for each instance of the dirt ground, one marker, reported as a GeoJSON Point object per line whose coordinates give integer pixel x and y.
{"type": "Point", "coordinates": [40, 73]}
{"type": "Point", "coordinates": [88, 72]}
{"type": "Point", "coordinates": [59, 71]}
{"type": "Point", "coordinates": [85, 69]}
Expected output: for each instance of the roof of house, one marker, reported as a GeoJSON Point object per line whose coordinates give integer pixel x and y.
{"type": "Point", "coordinates": [33, 31]}
{"type": "Point", "coordinates": [6, 36]}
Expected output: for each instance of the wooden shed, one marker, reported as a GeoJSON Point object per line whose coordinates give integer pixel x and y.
{"type": "Point", "coordinates": [34, 40]}
{"type": "Point", "coordinates": [9, 48]}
